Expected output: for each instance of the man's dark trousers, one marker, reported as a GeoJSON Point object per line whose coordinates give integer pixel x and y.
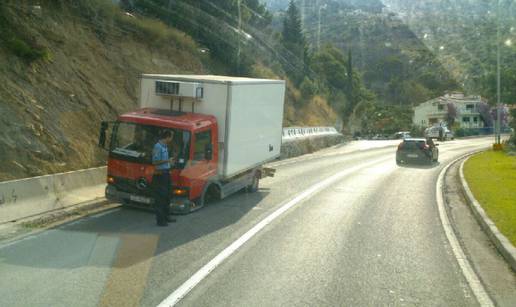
{"type": "Point", "coordinates": [162, 189]}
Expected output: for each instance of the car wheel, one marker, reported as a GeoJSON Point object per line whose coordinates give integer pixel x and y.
{"type": "Point", "coordinates": [126, 203]}
{"type": "Point", "coordinates": [431, 160]}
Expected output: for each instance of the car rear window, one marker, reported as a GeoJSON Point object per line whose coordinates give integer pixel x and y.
{"type": "Point", "coordinates": [413, 144]}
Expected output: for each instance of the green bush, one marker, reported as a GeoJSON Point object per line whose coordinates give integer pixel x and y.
{"type": "Point", "coordinates": [15, 38]}
{"type": "Point", "coordinates": [459, 132]}
{"type": "Point", "coordinates": [23, 50]}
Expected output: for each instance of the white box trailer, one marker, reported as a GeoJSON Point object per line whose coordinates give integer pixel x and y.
{"type": "Point", "coordinates": [249, 113]}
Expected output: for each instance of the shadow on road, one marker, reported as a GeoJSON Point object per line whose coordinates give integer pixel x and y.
{"type": "Point", "coordinates": [420, 166]}
{"type": "Point", "coordinates": [75, 244]}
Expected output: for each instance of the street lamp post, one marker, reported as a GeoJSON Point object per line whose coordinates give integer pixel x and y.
{"type": "Point", "coordinates": [498, 81]}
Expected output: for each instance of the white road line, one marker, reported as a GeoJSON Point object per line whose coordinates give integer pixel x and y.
{"type": "Point", "coordinates": [203, 272]}
{"type": "Point", "coordinates": [467, 270]}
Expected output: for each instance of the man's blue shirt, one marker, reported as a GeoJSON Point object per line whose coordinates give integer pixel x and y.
{"type": "Point", "coordinates": [159, 153]}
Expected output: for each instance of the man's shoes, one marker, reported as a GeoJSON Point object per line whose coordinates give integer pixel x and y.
{"type": "Point", "coordinates": [170, 220]}
{"type": "Point", "coordinates": [165, 224]}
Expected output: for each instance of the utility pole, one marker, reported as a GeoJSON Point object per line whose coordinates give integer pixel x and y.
{"type": "Point", "coordinates": [319, 27]}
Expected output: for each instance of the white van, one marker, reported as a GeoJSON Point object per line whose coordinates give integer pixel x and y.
{"type": "Point", "coordinates": [442, 133]}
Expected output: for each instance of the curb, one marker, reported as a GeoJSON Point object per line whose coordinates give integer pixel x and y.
{"type": "Point", "coordinates": [55, 218]}
{"type": "Point", "coordinates": [501, 242]}
{"type": "Point", "coordinates": [472, 278]}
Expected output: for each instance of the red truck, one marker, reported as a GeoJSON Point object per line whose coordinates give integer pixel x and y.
{"type": "Point", "coordinates": [224, 130]}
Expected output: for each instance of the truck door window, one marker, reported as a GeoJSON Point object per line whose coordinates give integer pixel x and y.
{"type": "Point", "coordinates": [201, 140]}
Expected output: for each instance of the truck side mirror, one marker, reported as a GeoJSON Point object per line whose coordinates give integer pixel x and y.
{"type": "Point", "coordinates": [102, 134]}
{"type": "Point", "coordinates": [208, 152]}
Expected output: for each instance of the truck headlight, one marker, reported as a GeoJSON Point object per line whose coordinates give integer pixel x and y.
{"type": "Point", "coordinates": [179, 192]}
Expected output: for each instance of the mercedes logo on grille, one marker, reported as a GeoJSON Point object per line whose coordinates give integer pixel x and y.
{"type": "Point", "coordinates": [141, 184]}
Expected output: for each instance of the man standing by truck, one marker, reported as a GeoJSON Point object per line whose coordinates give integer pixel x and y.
{"type": "Point", "coordinates": [161, 179]}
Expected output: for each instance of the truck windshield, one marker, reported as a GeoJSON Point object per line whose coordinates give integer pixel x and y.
{"type": "Point", "coordinates": [134, 142]}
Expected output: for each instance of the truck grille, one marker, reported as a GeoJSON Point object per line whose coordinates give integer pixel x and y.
{"type": "Point", "coordinates": [128, 186]}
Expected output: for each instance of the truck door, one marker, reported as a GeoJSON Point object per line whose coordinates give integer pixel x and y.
{"type": "Point", "coordinates": [202, 165]}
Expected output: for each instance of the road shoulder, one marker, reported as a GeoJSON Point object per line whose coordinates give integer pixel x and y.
{"type": "Point", "coordinates": [13, 231]}
{"type": "Point", "coordinates": [496, 275]}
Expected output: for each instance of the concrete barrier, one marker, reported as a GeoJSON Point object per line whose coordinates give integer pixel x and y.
{"type": "Point", "coordinates": [309, 144]}
{"type": "Point", "coordinates": [31, 196]}
{"type": "Point", "coordinates": [28, 197]}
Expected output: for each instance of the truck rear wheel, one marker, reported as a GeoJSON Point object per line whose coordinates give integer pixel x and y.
{"type": "Point", "coordinates": [253, 187]}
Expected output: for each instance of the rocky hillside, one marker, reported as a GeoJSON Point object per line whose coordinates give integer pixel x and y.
{"type": "Point", "coordinates": [64, 67]}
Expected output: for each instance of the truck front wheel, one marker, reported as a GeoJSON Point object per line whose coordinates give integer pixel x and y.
{"type": "Point", "coordinates": [211, 194]}
{"type": "Point", "coordinates": [253, 187]}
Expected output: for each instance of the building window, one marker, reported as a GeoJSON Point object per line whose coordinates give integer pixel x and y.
{"type": "Point", "coordinates": [440, 107]}
{"type": "Point", "coordinates": [470, 107]}
{"type": "Point", "coordinates": [465, 119]}
{"type": "Point", "coordinates": [475, 119]}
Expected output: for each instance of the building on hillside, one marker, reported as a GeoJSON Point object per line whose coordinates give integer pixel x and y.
{"type": "Point", "coordinates": [435, 111]}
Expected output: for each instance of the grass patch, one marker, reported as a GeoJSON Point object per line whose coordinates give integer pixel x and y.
{"type": "Point", "coordinates": [157, 33]}
{"type": "Point", "coordinates": [105, 14]}
{"type": "Point", "coordinates": [491, 177]}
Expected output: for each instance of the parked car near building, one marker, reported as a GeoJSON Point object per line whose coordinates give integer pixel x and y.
{"type": "Point", "coordinates": [401, 135]}
{"type": "Point", "coordinates": [441, 133]}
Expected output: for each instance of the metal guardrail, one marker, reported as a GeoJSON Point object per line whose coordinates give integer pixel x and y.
{"type": "Point", "coordinates": [291, 133]}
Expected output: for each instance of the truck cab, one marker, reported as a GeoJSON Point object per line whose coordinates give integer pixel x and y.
{"type": "Point", "coordinates": [130, 166]}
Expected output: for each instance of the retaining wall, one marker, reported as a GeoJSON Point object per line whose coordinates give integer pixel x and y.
{"type": "Point", "coordinates": [31, 196]}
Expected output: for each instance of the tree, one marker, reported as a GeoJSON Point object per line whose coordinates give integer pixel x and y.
{"type": "Point", "coordinates": [485, 114]}
{"type": "Point", "coordinates": [294, 41]}
{"type": "Point", "coordinates": [507, 86]}
{"type": "Point", "coordinates": [451, 114]}
{"type": "Point", "coordinates": [513, 126]}
{"type": "Point", "coordinates": [350, 80]}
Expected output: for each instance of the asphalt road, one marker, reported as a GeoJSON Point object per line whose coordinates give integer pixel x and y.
{"type": "Point", "coordinates": [372, 237]}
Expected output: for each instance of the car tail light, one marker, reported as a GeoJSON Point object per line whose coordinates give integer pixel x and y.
{"type": "Point", "coordinates": [400, 146]}
{"type": "Point", "coordinates": [423, 146]}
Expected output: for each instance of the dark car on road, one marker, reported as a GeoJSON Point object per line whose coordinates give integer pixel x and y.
{"type": "Point", "coordinates": [417, 150]}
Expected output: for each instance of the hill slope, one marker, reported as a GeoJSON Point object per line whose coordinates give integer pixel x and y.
{"type": "Point", "coordinates": [66, 67]}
